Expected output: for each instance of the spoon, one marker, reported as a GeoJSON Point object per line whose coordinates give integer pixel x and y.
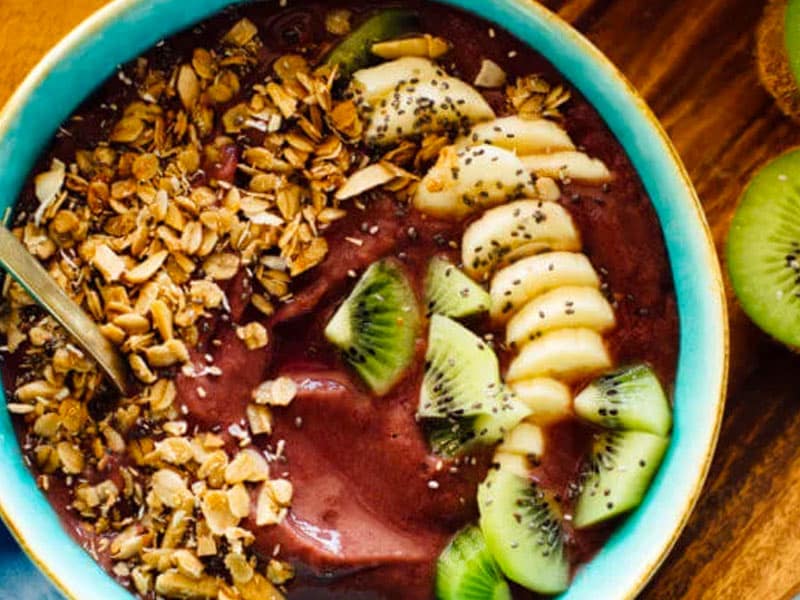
{"type": "Point", "coordinates": [23, 267]}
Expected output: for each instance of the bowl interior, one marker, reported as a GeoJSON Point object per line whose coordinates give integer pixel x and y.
{"type": "Point", "coordinates": [125, 28]}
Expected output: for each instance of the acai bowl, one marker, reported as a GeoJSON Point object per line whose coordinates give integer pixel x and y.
{"type": "Point", "coordinates": [193, 488]}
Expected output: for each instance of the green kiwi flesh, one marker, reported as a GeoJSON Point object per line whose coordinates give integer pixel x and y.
{"type": "Point", "coordinates": [522, 525]}
{"type": "Point", "coordinates": [463, 401]}
{"type": "Point", "coordinates": [629, 398]}
{"type": "Point", "coordinates": [450, 292]}
{"type": "Point", "coordinates": [620, 469]}
{"type": "Point", "coordinates": [791, 33]}
{"type": "Point", "coordinates": [467, 571]}
{"type": "Point", "coordinates": [377, 325]}
{"type": "Point", "coordinates": [462, 375]}
{"type": "Point", "coordinates": [763, 249]}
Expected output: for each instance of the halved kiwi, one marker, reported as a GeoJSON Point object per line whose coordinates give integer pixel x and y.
{"type": "Point", "coordinates": [763, 249]}
{"type": "Point", "coordinates": [620, 469]}
{"type": "Point", "coordinates": [522, 525]}
{"type": "Point", "coordinates": [467, 571]}
{"type": "Point", "coordinates": [449, 292]}
{"type": "Point", "coordinates": [377, 325]}
{"type": "Point", "coordinates": [629, 398]}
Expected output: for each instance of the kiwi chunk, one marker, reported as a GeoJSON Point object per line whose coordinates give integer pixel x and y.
{"type": "Point", "coordinates": [763, 249]}
{"type": "Point", "coordinates": [629, 398]}
{"type": "Point", "coordinates": [462, 375]}
{"type": "Point", "coordinates": [354, 52]}
{"type": "Point", "coordinates": [620, 469]}
{"type": "Point", "coordinates": [449, 292]}
{"type": "Point", "coordinates": [377, 325]}
{"type": "Point", "coordinates": [467, 571]}
{"type": "Point", "coordinates": [522, 525]}
{"type": "Point", "coordinates": [463, 401]}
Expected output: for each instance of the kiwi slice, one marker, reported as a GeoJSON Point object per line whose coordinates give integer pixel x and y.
{"type": "Point", "coordinates": [763, 249]}
{"type": "Point", "coordinates": [629, 398]}
{"type": "Point", "coordinates": [354, 52]}
{"type": "Point", "coordinates": [462, 375]}
{"type": "Point", "coordinates": [467, 571]}
{"type": "Point", "coordinates": [377, 325]}
{"type": "Point", "coordinates": [449, 292]}
{"type": "Point", "coordinates": [463, 401]}
{"type": "Point", "coordinates": [620, 469]}
{"type": "Point", "coordinates": [522, 525]}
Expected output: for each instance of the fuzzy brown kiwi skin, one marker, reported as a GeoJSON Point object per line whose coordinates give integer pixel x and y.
{"type": "Point", "coordinates": [773, 61]}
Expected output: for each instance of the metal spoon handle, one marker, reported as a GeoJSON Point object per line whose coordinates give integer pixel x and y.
{"type": "Point", "coordinates": [23, 267]}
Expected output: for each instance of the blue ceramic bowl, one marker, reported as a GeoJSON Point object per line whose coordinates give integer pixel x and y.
{"type": "Point", "coordinates": [125, 28]}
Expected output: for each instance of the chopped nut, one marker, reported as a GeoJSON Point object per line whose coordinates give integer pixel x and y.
{"type": "Point", "coordinates": [279, 572]}
{"type": "Point", "coordinates": [170, 488]}
{"type": "Point", "coordinates": [145, 270]}
{"type": "Point", "coordinates": [241, 33]}
{"type": "Point", "coordinates": [110, 265]}
{"type": "Point", "coordinates": [217, 512]}
{"type": "Point", "coordinates": [132, 323]}
{"type": "Point", "coordinates": [259, 418]}
{"type": "Point", "coordinates": [491, 75]}
{"type": "Point", "coordinates": [238, 567]}
{"type": "Point", "coordinates": [337, 21]}
{"type": "Point", "coordinates": [71, 458]}
{"type": "Point", "coordinates": [173, 584]}
{"type": "Point", "coordinates": [254, 335]}
{"type": "Point", "coordinates": [364, 180]}
{"type": "Point", "coordinates": [167, 354]}
{"type": "Point", "coordinates": [239, 500]}
{"type": "Point", "coordinates": [221, 266]}
{"type": "Point", "coordinates": [278, 392]}
{"type": "Point", "coordinates": [248, 465]}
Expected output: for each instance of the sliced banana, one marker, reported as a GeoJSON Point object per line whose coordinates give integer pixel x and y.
{"type": "Point", "coordinates": [468, 179]}
{"type": "Point", "coordinates": [549, 399]}
{"type": "Point", "coordinates": [513, 231]}
{"type": "Point", "coordinates": [515, 285]}
{"type": "Point", "coordinates": [373, 84]}
{"type": "Point", "coordinates": [576, 166]}
{"type": "Point", "coordinates": [562, 308]}
{"type": "Point", "coordinates": [512, 463]}
{"type": "Point", "coordinates": [409, 96]}
{"type": "Point", "coordinates": [526, 439]}
{"type": "Point", "coordinates": [565, 354]}
{"type": "Point", "coordinates": [523, 136]}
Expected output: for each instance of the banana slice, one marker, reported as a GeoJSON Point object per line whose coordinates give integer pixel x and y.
{"type": "Point", "coordinates": [373, 84]}
{"type": "Point", "coordinates": [413, 97]}
{"type": "Point", "coordinates": [512, 463]}
{"type": "Point", "coordinates": [526, 439]}
{"type": "Point", "coordinates": [549, 399]}
{"type": "Point", "coordinates": [561, 308]}
{"type": "Point", "coordinates": [515, 230]}
{"type": "Point", "coordinates": [468, 179]}
{"type": "Point", "coordinates": [525, 279]}
{"type": "Point", "coordinates": [565, 354]}
{"type": "Point", "coordinates": [568, 165]}
{"type": "Point", "coordinates": [537, 136]}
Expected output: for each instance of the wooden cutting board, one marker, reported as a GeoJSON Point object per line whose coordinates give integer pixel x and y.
{"type": "Point", "coordinates": [693, 62]}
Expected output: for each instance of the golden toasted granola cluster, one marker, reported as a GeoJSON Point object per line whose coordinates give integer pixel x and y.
{"type": "Point", "coordinates": [145, 231]}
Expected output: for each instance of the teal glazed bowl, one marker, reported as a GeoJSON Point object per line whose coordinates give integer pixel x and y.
{"type": "Point", "coordinates": [125, 28]}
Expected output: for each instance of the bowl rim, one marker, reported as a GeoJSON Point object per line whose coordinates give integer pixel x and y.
{"type": "Point", "coordinates": [656, 161]}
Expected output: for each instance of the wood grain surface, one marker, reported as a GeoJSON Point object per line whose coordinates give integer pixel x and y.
{"type": "Point", "coordinates": [693, 60]}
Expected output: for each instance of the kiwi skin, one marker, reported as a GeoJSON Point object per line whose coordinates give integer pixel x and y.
{"type": "Point", "coordinates": [774, 69]}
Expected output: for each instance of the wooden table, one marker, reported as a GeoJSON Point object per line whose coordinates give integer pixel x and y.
{"type": "Point", "coordinates": [693, 62]}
